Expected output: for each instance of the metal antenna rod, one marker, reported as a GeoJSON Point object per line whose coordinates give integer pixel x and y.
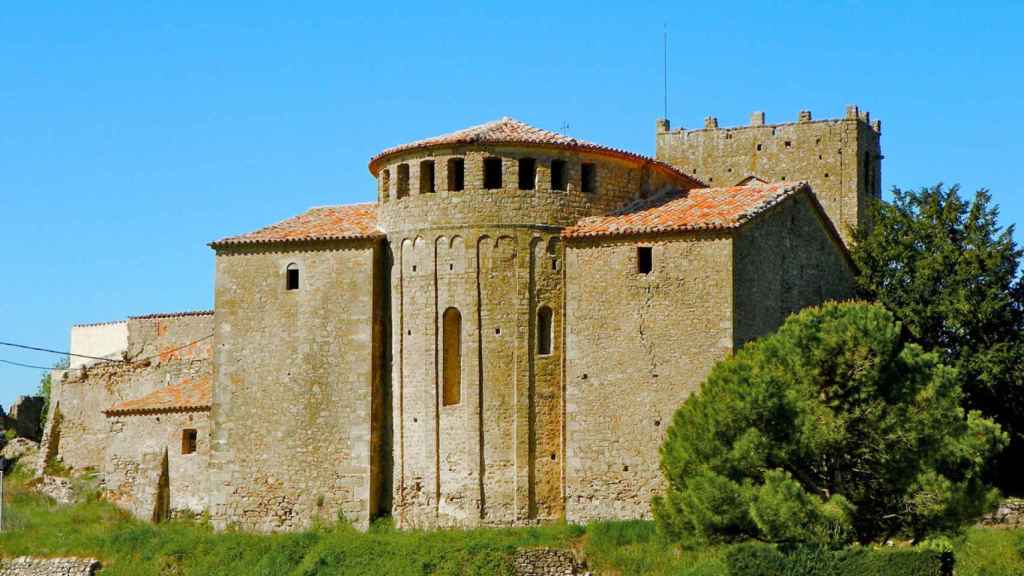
{"type": "Point", "coordinates": [665, 65]}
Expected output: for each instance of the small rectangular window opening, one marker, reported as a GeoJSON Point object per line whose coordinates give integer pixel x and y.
{"type": "Point", "coordinates": [589, 177]}
{"type": "Point", "coordinates": [189, 440]}
{"type": "Point", "coordinates": [644, 259]}
{"type": "Point", "coordinates": [492, 173]}
{"type": "Point", "coordinates": [544, 331]}
{"type": "Point", "coordinates": [456, 174]}
{"type": "Point", "coordinates": [403, 181]}
{"type": "Point", "coordinates": [385, 184]}
{"type": "Point", "coordinates": [293, 278]}
{"type": "Point", "coordinates": [527, 173]}
{"type": "Point", "coordinates": [427, 177]}
{"type": "Point", "coordinates": [559, 178]}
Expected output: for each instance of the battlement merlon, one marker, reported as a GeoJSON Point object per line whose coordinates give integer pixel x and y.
{"type": "Point", "coordinates": [839, 157]}
{"type": "Point", "coordinates": [757, 120]}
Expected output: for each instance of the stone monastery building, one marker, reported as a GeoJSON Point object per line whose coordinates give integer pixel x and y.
{"type": "Point", "coordinates": [501, 338]}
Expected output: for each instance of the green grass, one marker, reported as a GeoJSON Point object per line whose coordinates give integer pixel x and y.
{"type": "Point", "coordinates": [34, 526]}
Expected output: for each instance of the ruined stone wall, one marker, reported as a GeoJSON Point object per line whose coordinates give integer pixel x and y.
{"type": "Point", "coordinates": [134, 462]}
{"type": "Point", "coordinates": [841, 159]}
{"type": "Point", "coordinates": [162, 350]}
{"type": "Point", "coordinates": [298, 387]}
{"type": "Point", "coordinates": [637, 345]}
{"type": "Point", "coordinates": [786, 260]}
{"type": "Point", "coordinates": [494, 457]}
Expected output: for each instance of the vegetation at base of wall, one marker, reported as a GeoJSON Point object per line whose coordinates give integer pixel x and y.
{"type": "Point", "coordinates": [45, 383]}
{"type": "Point", "coordinates": [750, 559]}
{"type": "Point", "coordinates": [35, 526]}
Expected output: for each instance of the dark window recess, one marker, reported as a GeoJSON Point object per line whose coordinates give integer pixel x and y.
{"type": "Point", "coordinates": [385, 184]}
{"type": "Point", "coordinates": [456, 174]}
{"type": "Point", "coordinates": [544, 331]}
{"type": "Point", "coordinates": [403, 181]}
{"type": "Point", "coordinates": [527, 173]}
{"type": "Point", "coordinates": [292, 282]}
{"type": "Point", "coordinates": [427, 177]}
{"type": "Point", "coordinates": [644, 259]}
{"type": "Point", "coordinates": [559, 178]}
{"type": "Point", "coordinates": [492, 173]}
{"type": "Point", "coordinates": [189, 440]}
{"type": "Point", "coordinates": [451, 393]}
{"type": "Point", "coordinates": [588, 173]}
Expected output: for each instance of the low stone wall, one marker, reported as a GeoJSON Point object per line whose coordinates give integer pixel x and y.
{"type": "Point", "coordinates": [547, 562]}
{"type": "Point", "coordinates": [27, 566]}
{"type": "Point", "coordinates": [1010, 514]}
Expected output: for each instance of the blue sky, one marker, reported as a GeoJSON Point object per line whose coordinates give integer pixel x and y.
{"type": "Point", "coordinates": [133, 133]}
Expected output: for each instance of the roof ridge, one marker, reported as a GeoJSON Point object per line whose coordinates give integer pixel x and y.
{"type": "Point", "coordinates": [507, 130]}
{"type": "Point", "coordinates": [719, 208]}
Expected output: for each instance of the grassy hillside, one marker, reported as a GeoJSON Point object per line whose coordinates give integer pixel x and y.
{"type": "Point", "coordinates": [128, 547]}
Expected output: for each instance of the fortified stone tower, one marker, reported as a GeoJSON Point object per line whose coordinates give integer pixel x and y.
{"type": "Point", "coordinates": [841, 159]}
{"type": "Point", "coordinates": [473, 221]}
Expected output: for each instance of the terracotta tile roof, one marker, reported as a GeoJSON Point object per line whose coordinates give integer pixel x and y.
{"type": "Point", "coordinates": [511, 131]}
{"type": "Point", "coordinates": [187, 395]}
{"type": "Point", "coordinates": [698, 209]}
{"type": "Point", "coordinates": [173, 314]}
{"type": "Point", "coordinates": [321, 223]}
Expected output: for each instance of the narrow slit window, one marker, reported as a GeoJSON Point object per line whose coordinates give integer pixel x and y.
{"type": "Point", "coordinates": [403, 181]}
{"type": "Point", "coordinates": [492, 173]}
{"type": "Point", "coordinates": [644, 259]}
{"type": "Point", "coordinates": [527, 173]}
{"type": "Point", "coordinates": [452, 358]}
{"type": "Point", "coordinates": [456, 174]}
{"type": "Point", "coordinates": [292, 280]}
{"type": "Point", "coordinates": [427, 177]}
{"type": "Point", "coordinates": [558, 175]}
{"type": "Point", "coordinates": [189, 440]}
{"type": "Point", "coordinates": [588, 182]}
{"type": "Point", "coordinates": [544, 331]}
{"type": "Point", "coordinates": [385, 184]}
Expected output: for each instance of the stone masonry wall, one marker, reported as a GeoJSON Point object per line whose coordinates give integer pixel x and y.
{"type": "Point", "coordinates": [298, 391]}
{"type": "Point", "coordinates": [841, 159]}
{"type": "Point", "coordinates": [786, 260]}
{"type": "Point", "coordinates": [617, 183]}
{"type": "Point", "coordinates": [134, 457]}
{"type": "Point", "coordinates": [162, 350]}
{"type": "Point", "coordinates": [495, 457]}
{"type": "Point", "coordinates": [636, 346]}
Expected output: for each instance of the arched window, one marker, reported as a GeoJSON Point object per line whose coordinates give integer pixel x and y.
{"type": "Point", "coordinates": [452, 357]}
{"type": "Point", "coordinates": [544, 331]}
{"type": "Point", "coordinates": [292, 273]}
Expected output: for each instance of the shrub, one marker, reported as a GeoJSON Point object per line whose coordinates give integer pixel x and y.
{"type": "Point", "coordinates": [831, 429]}
{"type": "Point", "coordinates": [766, 560]}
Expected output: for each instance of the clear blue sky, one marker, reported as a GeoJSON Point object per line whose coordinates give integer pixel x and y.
{"type": "Point", "coordinates": [133, 133]}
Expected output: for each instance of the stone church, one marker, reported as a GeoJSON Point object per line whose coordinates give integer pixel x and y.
{"type": "Point", "coordinates": [500, 338]}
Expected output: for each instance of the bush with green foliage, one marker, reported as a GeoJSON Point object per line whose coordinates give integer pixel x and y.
{"type": "Point", "coordinates": [751, 559]}
{"type": "Point", "coordinates": [950, 274]}
{"type": "Point", "coordinates": [830, 430]}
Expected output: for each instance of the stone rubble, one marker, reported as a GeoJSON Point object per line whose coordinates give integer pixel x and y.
{"type": "Point", "coordinates": [548, 562]}
{"type": "Point", "coordinates": [28, 566]}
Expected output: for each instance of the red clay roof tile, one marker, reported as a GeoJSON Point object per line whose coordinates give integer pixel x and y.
{"type": "Point", "coordinates": [697, 209]}
{"type": "Point", "coordinates": [187, 395]}
{"type": "Point", "coordinates": [350, 221]}
{"type": "Point", "coordinates": [511, 131]}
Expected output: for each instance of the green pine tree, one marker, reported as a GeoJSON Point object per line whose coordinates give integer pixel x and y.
{"type": "Point", "coordinates": [832, 429]}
